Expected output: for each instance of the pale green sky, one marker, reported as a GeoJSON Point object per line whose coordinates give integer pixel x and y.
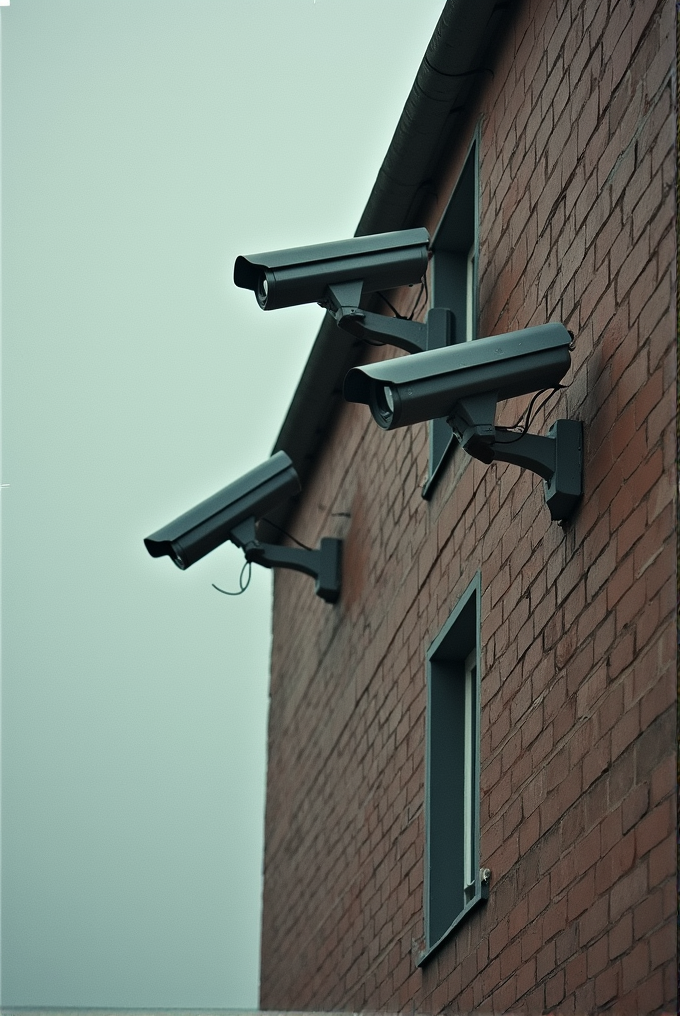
{"type": "Point", "coordinates": [145, 145]}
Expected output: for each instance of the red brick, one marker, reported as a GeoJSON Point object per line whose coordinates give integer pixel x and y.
{"type": "Point", "coordinates": [649, 914]}
{"type": "Point", "coordinates": [566, 944]}
{"type": "Point", "coordinates": [628, 891]}
{"type": "Point", "coordinates": [505, 995]}
{"type": "Point", "coordinates": [587, 851]}
{"type": "Point", "coordinates": [607, 985]}
{"type": "Point", "coordinates": [581, 896]}
{"type": "Point", "coordinates": [662, 860]}
{"type": "Point", "coordinates": [594, 920]}
{"type": "Point", "coordinates": [621, 936]}
{"type": "Point", "coordinates": [498, 939]}
{"type": "Point", "coordinates": [654, 828]}
{"type": "Point", "coordinates": [635, 967]}
{"type": "Point", "coordinates": [538, 898]}
{"type": "Point", "coordinates": [578, 701]}
{"type": "Point", "coordinates": [654, 745]}
{"type": "Point", "coordinates": [625, 731]}
{"type": "Point", "coordinates": [634, 807]}
{"type": "Point", "coordinates": [663, 780]}
{"type": "Point", "coordinates": [510, 959]}
{"type": "Point", "coordinates": [554, 989]}
{"type": "Point", "coordinates": [670, 987]}
{"type": "Point", "coordinates": [526, 978]}
{"type": "Point", "coordinates": [545, 961]}
{"type": "Point", "coordinates": [561, 799]}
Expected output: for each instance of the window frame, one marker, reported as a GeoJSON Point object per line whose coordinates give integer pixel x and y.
{"type": "Point", "coordinates": [452, 656]}
{"type": "Point", "coordinates": [448, 246]}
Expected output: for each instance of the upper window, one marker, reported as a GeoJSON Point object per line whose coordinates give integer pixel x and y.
{"type": "Point", "coordinates": [454, 883]}
{"type": "Point", "coordinates": [454, 285]}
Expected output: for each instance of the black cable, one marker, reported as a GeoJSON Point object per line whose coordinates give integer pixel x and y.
{"type": "Point", "coordinates": [514, 426]}
{"type": "Point", "coordinates": [242, 586]}
{"type": "Point", "coordinates": [289, 535]}
{"type": "Point", "coordinates": [556, 389]}
{"type": "Point", "coordinates": [525, 428]}
{"type": "Point", "coordinates": [529, 413]}
{"type": "Point", "coordinates": [404, 317]}
{"type": "Point", "coordinates": [392, 308]}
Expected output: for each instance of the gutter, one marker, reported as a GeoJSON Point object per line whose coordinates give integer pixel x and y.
{"type": "Point", "coordinates": [450, 76]}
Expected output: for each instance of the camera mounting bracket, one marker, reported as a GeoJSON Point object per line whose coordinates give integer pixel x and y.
{"type": "Point", "coordinates": [322, 564]}
{"type": "Point", "coordinates": [557, 457]}
{"type": "Point", "coordinates": [412, 336]}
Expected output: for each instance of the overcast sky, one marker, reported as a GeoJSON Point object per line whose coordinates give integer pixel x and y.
{"type": "Point", "coordinates": [146, 143]}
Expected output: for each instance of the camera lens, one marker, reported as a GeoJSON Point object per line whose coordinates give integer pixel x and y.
{"type": "Point", "coordinates": [262, 290]}
{"type": "Point", "coordinates": [385, 403]}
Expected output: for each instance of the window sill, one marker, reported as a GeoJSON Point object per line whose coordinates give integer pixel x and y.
{"type": "Point", "coordinates": [481, 896]}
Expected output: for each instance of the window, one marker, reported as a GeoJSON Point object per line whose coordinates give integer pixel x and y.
{"type": "Point", "coordinates": [453, 881]}
{"type": "Point", "coordinates": [454, 285]}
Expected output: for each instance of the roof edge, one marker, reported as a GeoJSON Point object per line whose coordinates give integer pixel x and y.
{"type": "Point", "coordinates": [448, 76]}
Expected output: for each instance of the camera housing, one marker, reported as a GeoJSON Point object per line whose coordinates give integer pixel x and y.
{"type": "Point", "coordinates": [463, 384]}
{"type": "Point", "coordinates": [426, 386]}
{"type": "Point", "coordinates": [195, 533]}
{"type": "Point", "coordinates": [286, 278]}
{"type": "Point", "coordinates": [232, 514]}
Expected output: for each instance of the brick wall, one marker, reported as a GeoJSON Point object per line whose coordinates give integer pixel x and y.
{"type": "Point", "coordinates": [578, 623]}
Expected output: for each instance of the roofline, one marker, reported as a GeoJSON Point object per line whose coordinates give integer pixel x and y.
{"type": "Point", "coordinates": [444, 86]}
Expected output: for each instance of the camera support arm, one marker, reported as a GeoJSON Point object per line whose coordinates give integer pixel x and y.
{"type": "Point", "coordinates": [412, 336]}
{"type": "Point", "coordinates": [557, 457]}
{"type": "Point", "coordinates": [322, 564]}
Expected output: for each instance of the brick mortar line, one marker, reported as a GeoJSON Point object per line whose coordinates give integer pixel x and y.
{"type": "Point", "coordinates": [654, 100]}
{"type": "Point", "coordinates": [381, 661]}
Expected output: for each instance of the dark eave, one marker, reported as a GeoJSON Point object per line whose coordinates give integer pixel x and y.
{"type": "Point", "coordinates": [448, 79]}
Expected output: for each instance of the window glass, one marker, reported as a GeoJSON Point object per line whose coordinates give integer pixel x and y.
{"type": "Point", "coordinates": [453, 885]}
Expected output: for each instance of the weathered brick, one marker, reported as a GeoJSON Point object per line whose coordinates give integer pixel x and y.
{"type": "Point", "coordinates": [654, 827]}
{"type": "Point", "coordinates": [606, 985]}
{"type": "Point", "coordinates": [662, 946]}
{"type": "Point", "coordinates": [634, 807]}
{"type": "Point", "coordinates": [593, 921]}
{"type": "Point", "coordinates": [662, 861]}
{"type": "Point", "coordinates": [636, 966]}
{"type": "Point", "coordinates": [577, 176]}
{"type": "Point", "coordinates": [628, 891]}
{"type": "Point", "coordinates": [621, 936]}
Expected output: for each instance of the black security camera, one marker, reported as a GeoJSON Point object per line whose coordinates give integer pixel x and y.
{"type": "Point", "coordinates": [463, 384]}
{"type": "Point", "coordinates": [205, 527]}
{"type": "Point", "coordinates": [232, 514]}
{"type": "Point", "coordinates": [426, 386]}
{"type": "Point", "coordinates": [286, 278]}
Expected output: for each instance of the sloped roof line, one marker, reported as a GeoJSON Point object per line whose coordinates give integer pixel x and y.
{"type": "Point", "coordinates": [447, 78]}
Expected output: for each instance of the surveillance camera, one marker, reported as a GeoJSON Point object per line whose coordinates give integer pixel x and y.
{"type": "Point", "coordinates": [426, 386]}
{"type": "Point", "coordinates": [211, 523]}
{"type": "Point", "coordinates": [232, 515]}
{"type": "Point", "coordinates": [463, 384]}
{"type": "Point", "coordinates": [286, 278]}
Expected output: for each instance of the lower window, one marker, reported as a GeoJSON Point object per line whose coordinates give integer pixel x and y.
{"type": "Point", "coordinates": [453, 882]}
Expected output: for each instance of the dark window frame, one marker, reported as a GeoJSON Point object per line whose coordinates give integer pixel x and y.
{"type": "Point", "coordinates": [456, 234]}
{"type": "Point", "coordinates": [448, 900]}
